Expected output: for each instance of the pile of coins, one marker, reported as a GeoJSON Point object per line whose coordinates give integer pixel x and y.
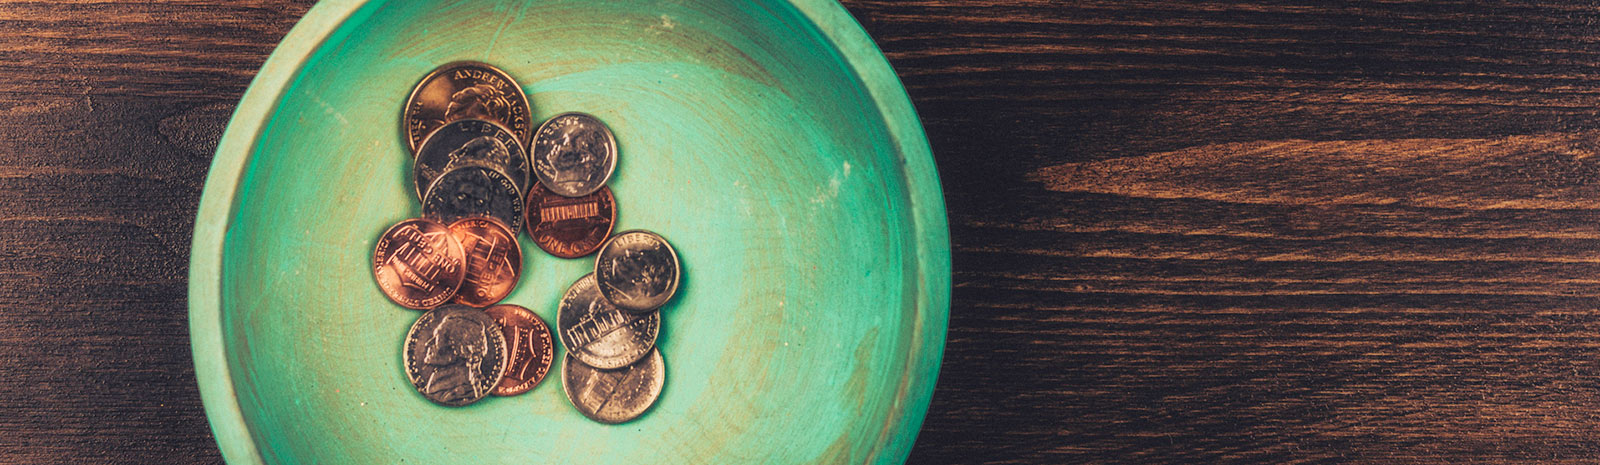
{"type": "Point", "coordinates": [483, 177]}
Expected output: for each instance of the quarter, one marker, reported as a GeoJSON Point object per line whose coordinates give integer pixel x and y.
{"type": "Point", "coordinates": [418, 264]}
{"type": "Point", "coordinates": [573, 154]}
{"type": "Point", "coordinates": [600, 334]}
{"type": "Point", "coordinates": [614, 396]}
{"type": "Point", "coordinates": [493, 260]}
{"type": "Point", "coordinates": [474, 191]}
{"type": "Point", "coordinates": [528, 348]}
{"type": "Point", "coordinates": [463, 90]}
{"type": "Point", "coordinates": [570, 227]}
{"type": "Point", "coordinates": [637, 270]}
{"type": "Point", "coordinates": [454, 355]}
{"type": "Point", "coordinates": [470, 142]}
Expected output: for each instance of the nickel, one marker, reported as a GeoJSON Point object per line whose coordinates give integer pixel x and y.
{"type": "Point", "coordinates": [614, 396]}
{"type": "Point", "coordinates": [454, 355]}
{"type": "Point", "coordinates": [598, 333]}
{"type": "Point", "coordinates": [474, 191]}
{"type": "Point", "coordinates": [470, 142]}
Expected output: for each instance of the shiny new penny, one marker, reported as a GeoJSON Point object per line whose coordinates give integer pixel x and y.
{"type": "Point", "coordinates": [463, 90]}
{"type": "Point", "coordinates": [600, 334]}
{"type": "Point", "coordinates": [570, 227]}
{"type": "Point", "coordinates": [573, 154]}
{"type": "Point", "coordinates": [454, 355]}
{"type": "Point", "coordinates": [614, 396]}
{"type": "Point", "coordinates": [418, 264]}
{"type": "Point", "coordinates": [529, 348]}
{"type": "Point", "coordinates": [470, 142]}
{"type": "Point", "coordinates": [474, 191]}
{"type": "Point", "coordinates": [637, 270]}
{"type": "Point", "coordinates": [493, 261]}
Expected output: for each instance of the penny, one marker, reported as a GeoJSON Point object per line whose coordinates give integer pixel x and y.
{"type": "Point", "coordinates": [493, 261]}
{"type": "Point", "coordinates": [614, 396]}
{"type": "Point", "coordinates": [470, 142]}
{"type": "Point", "coordinates": [463, 90]}
{"type": "Point", "coordinates": [570, 227]}
{"type": "Point", "coordinates": [600, 334]}
{"type": "Point", "coordinates": [474, 191]}
{"type": "Point", "coordinates": [454, 355]}
{"type": "Point", "coordinates": [528, 347]}
{"type": "Point", "coordinates": [637, 270]}
{"type": "Point", "coordinates": [573, 154]}
{"type": "Point", "coordinates": [418, 264]}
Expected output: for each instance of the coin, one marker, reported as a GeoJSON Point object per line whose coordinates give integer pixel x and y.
{"type": "Point", "coordinates": [528, 348]}
{"type": "Point", "coordinates": [493, 260]}
{"type": "Point", "coordinates": [614, 396]}
{"type": "Point", "coordinates": [573, 154]}
{"type": "Point", "coordinates": [470, 142]}
{"type": "Point", "coordinates": [570, 227]}
{"type": "Point", "coordinates": [418, 264]}
{"type": "Point", "coordinates": [637, 270]}
{"type": "Point", "coordinates": [464, 90]}
{"type": "Point", "coordinates": [600, 334]}
{"type": "Point", "coordinates": [454, 355]}
{"type": "Point", "coordinates": [471, 191]}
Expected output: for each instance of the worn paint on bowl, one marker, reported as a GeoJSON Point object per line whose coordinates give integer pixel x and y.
{"type": "Point", "coordinates": [768, 140]}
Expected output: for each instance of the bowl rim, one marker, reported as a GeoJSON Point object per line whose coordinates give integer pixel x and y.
{"type": "Point", "coordinates": [930, 229]}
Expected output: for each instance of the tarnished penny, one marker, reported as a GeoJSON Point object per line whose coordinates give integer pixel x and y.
{"type": "Point", "coordinates": [570, 227]}
{"type": "Point", "coordinates": [614, 396]}
{"type": "Point", "coordinates": [474, 191]}
{"type": "Point", "coordinates": [454, 355]}
{"type": "Point", "coordinates": [464, 90]}
{"type": "Point", "coordinates": [637, 270]}
{"type": "Point", "coordinates": [418, 264]}
{"type": "Point", "coordinates": [493, 261]}
{"type": "Point", "coordinates": [573, 154]}
{"type": "Point", "coordinates": [600, 334]}
{"type": "Point", "coordinates": [470, 142]}
{"type": "Point", "coordinates": [529, 348]}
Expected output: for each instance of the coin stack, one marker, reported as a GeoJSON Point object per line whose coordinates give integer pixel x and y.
{"type": "Point", "coordinates": [482, 176]}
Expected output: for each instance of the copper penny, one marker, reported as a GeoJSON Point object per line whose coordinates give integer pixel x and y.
{"type": "Point", "coordinates": [418, 264]}
{"type": "Point", "coordinates": [493, 259]}
{"type": "Point", "coordinates": [462, 90]}
{"type": "Point", "coordinates": [570, 227]}
{"type": "Point", "coordinates": [528, 348]}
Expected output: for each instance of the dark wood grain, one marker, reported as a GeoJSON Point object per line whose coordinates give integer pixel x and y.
{"type": "Point", "coordinates": [1363, 232]}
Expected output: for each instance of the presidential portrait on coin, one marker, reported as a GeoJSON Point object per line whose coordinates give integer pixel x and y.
{"type": "Point", "coordinates": [452, 360]}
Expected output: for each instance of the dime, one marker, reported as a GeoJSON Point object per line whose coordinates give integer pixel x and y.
{"type": "Point", "coordinates": [493, 260]}
{"type": "Point", "coordinates": [528, 348]}
{"type": "Point", "coordinates": [455, 355]}
{"type": "Point", "coordinates": [599, 334]}
{"type": "Point", "coordinates": [464, 90]}
{"type": "Point", "coordinates": [570, 227]}
{"type": "Point", "coordinates": [573, 154]}
{"type": "Point", "coordinates": [637, 270]}
{"type": "Point", "coordinates": [418, 264]}
{"type": "Point", "coordinates": [471, 191]}
{"type": "Point", "coordinates": [470, 142]}
{"type": "Point", "coordinates": [614, 396]}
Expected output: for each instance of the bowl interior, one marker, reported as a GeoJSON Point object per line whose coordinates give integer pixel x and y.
{"type": "Point", "coordinates": [746, 139]}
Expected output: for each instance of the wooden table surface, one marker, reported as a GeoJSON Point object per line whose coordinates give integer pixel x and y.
{"type": "Point", "coordinates": [1182, 233]}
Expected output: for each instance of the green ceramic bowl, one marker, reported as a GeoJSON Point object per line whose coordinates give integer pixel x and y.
{"type": "Point", "coordinates": [768, 140]}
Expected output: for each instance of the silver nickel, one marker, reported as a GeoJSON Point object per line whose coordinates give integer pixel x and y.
{"type": "Point", "coordinates": [455, 355]}
{"type": "Point", "coordinates": [573, 154]}
{"type": "Point", "coordinates": [637, 270]}
{"type": "Point", "coordinates": [600, 334]}
{"type": "Point", "coordinates": [470, 142]}
{"type": "Point", "coordinates": [474, 191]}
{"type": "Point", "coordinates": [614, 396]}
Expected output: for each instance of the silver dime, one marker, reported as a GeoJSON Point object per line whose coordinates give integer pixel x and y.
{"type": "Point", "coordinates": [455, 355]}
{"type": "Point", "coordinates": [614, 396]}
{"type": "Point", "coordinates": [573, 154]}
{"type": "Point", "coordinates": [474, 191]}
{"type": "Point", "coordinates": [470, 142]}
{"type": "Point", "coordinates": [637, 270]}
{"type": "Point", "coordinates": [598, 333]}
